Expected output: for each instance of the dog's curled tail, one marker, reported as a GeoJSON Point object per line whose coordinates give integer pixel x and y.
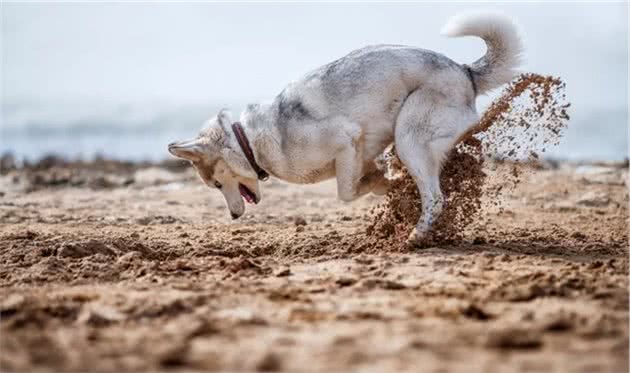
{"type": "Point", "coordinates": [505, 49]}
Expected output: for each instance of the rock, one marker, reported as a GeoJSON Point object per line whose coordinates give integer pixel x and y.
{"type": "Point", "coordinates": [269, 363]}
{"type": "Point", "coordinates": [579, 236]}
{"type": "Point", "coordinates": [479, 240]}
{"type": "Point", "coordinates": [393, 285]}
{"type": "Point", "coordinates": [346, 281]}
{"type": "Point", "coordinates": [284, 272]}
{"type": "Point", "coordinates": [371, 283]}
{"type": "Point", "coordinates": [560, 322]}
{"type": "Point", "coordinates": [513, 338]}
{"type": "Point", "coordinates": [593, 199]}
{"type": "Point", "coordinates": [299, 221]}
{"type": "Point", "coordinates": [172, 353]}
{"type": "Point", "coordinates": [473, 311]}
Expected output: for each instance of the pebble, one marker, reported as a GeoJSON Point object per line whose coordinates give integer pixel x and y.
{"type": "Point", "coordinates": [299, 221]}
{"type": "Point", "coordinates": [284, 272]}
{"type": "Point", "coordinates": [346, 281]}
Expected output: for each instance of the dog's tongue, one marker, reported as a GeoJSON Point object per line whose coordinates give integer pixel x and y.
{"type": "Point", "coordinates": [247, 194]}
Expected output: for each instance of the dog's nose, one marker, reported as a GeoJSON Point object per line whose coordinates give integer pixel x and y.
{"type": "Point", "coordinates": [234, 216]}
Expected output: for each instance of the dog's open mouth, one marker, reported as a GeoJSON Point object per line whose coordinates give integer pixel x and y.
{"type": "Point", "coordinates": [247, 194]}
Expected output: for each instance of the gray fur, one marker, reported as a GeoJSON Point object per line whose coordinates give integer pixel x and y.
{"type": "Point", "coordinates": [337, 119]}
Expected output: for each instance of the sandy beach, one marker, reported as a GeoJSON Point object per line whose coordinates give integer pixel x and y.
{"type": "Point", "coordinates": [110, 266]}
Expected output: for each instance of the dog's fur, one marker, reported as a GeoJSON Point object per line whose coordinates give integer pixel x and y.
{"type": "Point", "coordinates": [337, 119]}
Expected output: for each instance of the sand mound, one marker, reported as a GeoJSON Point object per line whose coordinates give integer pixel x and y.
{"type": "Point", "coordinates": [521, 123]}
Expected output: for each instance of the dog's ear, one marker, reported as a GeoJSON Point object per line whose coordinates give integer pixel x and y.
{"type": "Point", "coordinates": [192, 150]}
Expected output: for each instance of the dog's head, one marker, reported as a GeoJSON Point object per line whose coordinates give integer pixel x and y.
{"type": "Point", "coordinates": [219, 165]}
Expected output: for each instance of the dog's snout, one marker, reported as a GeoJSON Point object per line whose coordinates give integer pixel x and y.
{"type": "Point", "coordinates": [235, 215]}
{"type": "Point", "coordinates": [172, 147]}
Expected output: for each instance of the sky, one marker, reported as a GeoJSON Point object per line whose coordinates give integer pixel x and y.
{"type": "Point", "coordinates": [87, 57]}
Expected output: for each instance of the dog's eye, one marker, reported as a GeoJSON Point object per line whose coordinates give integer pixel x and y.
{"type": "Point", "coordinates": [217, 184]}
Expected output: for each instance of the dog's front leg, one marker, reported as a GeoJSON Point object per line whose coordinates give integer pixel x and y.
{"type": "Point", "coordinates": [348, 168]}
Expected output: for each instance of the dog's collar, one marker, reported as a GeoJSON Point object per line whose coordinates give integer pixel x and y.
{"type": "Point", "coordinates": [249, 154]}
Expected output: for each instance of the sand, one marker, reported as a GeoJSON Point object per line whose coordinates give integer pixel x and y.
{"type": "Point", "coordinates": [127, 267]}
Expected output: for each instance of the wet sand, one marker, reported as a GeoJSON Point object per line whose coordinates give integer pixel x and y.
{"type": "Point", "coordinates": [110, 267]}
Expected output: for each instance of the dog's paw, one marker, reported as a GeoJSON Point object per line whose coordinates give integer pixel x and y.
{"type": "Point", "coordinates": [415, 238]}
{"type": "Point", "coordinates": [419, 239]}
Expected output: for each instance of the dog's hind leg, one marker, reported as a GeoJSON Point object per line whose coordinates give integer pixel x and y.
{"type": "Point", "coordinates": [426, 129]}
{"type": "Point", "coordinates": [424, 166]}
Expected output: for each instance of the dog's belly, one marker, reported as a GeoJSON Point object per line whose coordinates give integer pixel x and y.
{"type": "Point", "coordinates": [325, 173]}
{"type": "Point", "coordinates": [311, 175]}
{"type": "Point", "coordinates": [309, 156]}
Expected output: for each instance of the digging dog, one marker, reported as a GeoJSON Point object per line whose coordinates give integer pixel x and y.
{"type": "Point", "coordinates": [335, 120]}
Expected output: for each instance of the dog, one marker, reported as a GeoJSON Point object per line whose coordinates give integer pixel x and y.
{"type": "Point", "coordinates": [336, 120]}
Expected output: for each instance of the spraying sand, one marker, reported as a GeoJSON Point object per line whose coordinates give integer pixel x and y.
{"type": "Point", "coordinates": [529, 116]}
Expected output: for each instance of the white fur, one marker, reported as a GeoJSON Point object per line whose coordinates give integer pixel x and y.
{"type": "Point", "coordinates": [337, 119]}
{"type": "Point", "coordinates": [505, 47]}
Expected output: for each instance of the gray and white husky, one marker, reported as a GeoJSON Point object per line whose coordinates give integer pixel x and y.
{"type": "Point", "coordinates": [337, 119]}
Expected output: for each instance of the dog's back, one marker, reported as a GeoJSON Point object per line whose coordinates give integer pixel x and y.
{"type": "Point", "coordinates": [372, 82]}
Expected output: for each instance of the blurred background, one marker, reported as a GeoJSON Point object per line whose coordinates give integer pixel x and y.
{"type": "Point", "coordinates": [122, 80]}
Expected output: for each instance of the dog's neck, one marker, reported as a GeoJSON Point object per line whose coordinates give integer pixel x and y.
{"type": "Point", "coordinates": [246, 148]}
{"type": "Point", "coordinates": [263, 139]}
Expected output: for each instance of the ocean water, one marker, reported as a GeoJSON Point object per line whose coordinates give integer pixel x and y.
{"type": "Point", "coordinates": [142, 131]}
